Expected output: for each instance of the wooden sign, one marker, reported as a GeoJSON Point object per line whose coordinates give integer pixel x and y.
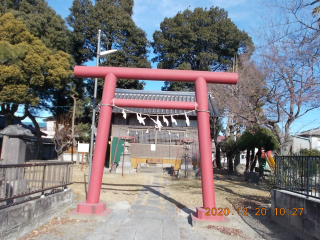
{"type": "Point", "coordinates": [83, 147]}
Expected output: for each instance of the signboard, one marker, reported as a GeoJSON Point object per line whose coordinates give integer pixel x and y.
{"type": "Point", "coordinates": [83, 147]}
{"type": "Point", "coordinates": [153, 147]}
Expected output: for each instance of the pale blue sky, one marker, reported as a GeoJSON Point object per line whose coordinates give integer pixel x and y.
{"type": "Point", "coordinates": [148, 14]}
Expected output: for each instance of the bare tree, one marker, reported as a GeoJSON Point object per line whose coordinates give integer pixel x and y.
{"type": "Point", "coordinates": [289, 56]}
{"type": "Point", "coordinates": [63, 135]}
{"type": "Point", "coordinates": [243, 102]}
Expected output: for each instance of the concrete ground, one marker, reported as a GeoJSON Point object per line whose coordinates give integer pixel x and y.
{"type": "Point", "coordinates": [155, 214]}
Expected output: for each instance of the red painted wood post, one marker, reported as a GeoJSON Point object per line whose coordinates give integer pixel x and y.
{"type": "Point", "coordinates": [102, 139]}
{"type": "Point", "coordinates": [208, 195]}
{"type": "Point", "coordinates": [82, 162]}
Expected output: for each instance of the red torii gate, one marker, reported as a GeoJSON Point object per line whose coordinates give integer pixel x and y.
{"type": "Point", "coordinates": [201, 78]}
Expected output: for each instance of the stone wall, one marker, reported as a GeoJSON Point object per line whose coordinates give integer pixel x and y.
{"type": "Point", "coordinates": [306, 225]}
{"type": "Point", "coordinates": [19, 220]}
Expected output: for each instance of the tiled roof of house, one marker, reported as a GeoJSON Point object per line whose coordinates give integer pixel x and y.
{"type": "Point", "coordinates": [220, 138]}
{"type": "Point", "coordinates": [311, 132]}
{"type": "Point", "coordinates": [161, 96]}
{"type": "Point", "coordinates": [32, 129]}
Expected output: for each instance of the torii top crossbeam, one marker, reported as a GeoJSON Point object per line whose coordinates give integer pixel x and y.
{"type": "Point", "coordinates": [201, 78]}
{"type": "Point", "coordinates": [156, 74]}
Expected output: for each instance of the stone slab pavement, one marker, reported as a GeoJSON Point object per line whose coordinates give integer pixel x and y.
{"type": "Point", "coordinates": [152, 216]}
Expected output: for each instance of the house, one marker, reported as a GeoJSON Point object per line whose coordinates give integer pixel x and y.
{"type": "Point", "coordinates": [309, 139]}
{"type": "Point", "coordinates": [152, 141]}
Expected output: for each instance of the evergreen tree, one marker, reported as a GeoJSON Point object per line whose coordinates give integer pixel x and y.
{"type": "Point", "coordinates": [118, 31]}
{"type": "Point", "coordinates": [82, 44]}
{"type": "Point", "coordinates": [204, 40]}
{"type": "Point", "coordinates": [41, 21]}
{"type": "Point", "coordinates": [28, 71]}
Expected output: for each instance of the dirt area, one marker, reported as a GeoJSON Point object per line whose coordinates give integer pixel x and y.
{"type": "Point", "coordinates": [114, 187]}
{"type": "Point", "coordinates": [248, 206]}
{"type": "Point", "coordinates": [243, 201]}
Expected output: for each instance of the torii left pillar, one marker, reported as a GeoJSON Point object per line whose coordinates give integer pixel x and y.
{"type": "Point", "coordinates": [92, 206]}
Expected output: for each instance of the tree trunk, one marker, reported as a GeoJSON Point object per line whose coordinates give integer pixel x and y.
{"type": "Point", "coordinates": [218, 157]}
{"type": "Point", "coordinates": [248, 160]}
{"type": "Point", "coordinates": [9, 119]}
{"type": "Point", "coordinates": [279, 135]}
{"type": "Point", "coordinates": [259, 161]}
{"type": "Point", "coordinates": [257, 158]}
{"type": "Point", "coordinates": [253, 160]}
{"type": "Point", "coordinates": [237, 162]}
{"type": "Point", "coordinates": [77, 152]}
{"type": "Point", "coordinates": [230, 164]}
{"type": "Point", "coordinates": [40, 143]}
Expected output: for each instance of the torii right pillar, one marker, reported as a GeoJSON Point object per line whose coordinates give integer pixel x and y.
{"type": "Point", "coordinates": [205, 214]}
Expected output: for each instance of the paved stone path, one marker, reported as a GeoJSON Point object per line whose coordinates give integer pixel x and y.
{"type": "Point", "coordinates": [152, 216]}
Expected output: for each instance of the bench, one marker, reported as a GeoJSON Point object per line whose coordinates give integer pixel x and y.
{"type": "Point", "coordinates": [155, 160]}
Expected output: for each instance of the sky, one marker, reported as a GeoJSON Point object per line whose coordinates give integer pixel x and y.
{"type": "Point", "coordinates": [148, 14]}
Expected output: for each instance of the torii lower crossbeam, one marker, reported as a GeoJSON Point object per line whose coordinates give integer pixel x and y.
{"type": "Point", "coordinates": [92, 205]}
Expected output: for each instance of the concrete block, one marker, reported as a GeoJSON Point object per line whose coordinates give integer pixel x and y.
{"type": "Point", "coordinates": [172, 235]}
{"type": "Point", "coordinates": [28, 209]}
{"type": "Point", "coordinates": [126, 170]}
{"type": "Point", "coordinates": [125, 164]}
{"type": "Point", "coordinates": [295, 221]}
{"type": "Point", "coordinates": [309, 226]}
{"type": "Point", "coordinates": [153, 202]}
{"type": "Point", "coordinates": [144, 208]}
{"type": "Point", "coordinates": [20, 219]}
{"type": "Point", "coordinates": [311, 210]}
{"type": "Point", "coordinates": [43, 205]}
{"type": "Point", "coordinates": [150, 215]}
{"type": "Point", "coordinates": [130, 223]}
{"type": "Point", "coordinates": [3, 220]}
{"type": "Point", "coordinates": [184, 167]}
{"type": "Point", "coordinates": [318, 229]}
{"type": "Point", "coordinates": [150, 223]}
{"type": "Point", "coordinates": [166, 165]}
{"type": "Point", "coordinates": [154, 233]}
{"type": "Point", "coordinates": [171, 226]}
{"type": "Point", "coordinates": [16, 216]}
{"type": "Point", "coordinates": [125, 233]}
{"type": "Point", "coordinates": [305, 225]}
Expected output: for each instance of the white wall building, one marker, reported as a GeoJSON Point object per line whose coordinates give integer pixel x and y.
{"type": "Point", "coordinates": [308, 139]}
{"type": "Point", "coordinates": [50, 127]}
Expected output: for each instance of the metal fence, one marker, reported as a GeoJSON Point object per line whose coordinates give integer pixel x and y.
{"type": "Point", "coordinates": [22, 182]}
{"type": "Point", "coordinates": [299, 174]}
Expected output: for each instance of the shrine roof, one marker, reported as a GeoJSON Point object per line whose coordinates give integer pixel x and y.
{"type": "Point", "coordinates": [161, 96]}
